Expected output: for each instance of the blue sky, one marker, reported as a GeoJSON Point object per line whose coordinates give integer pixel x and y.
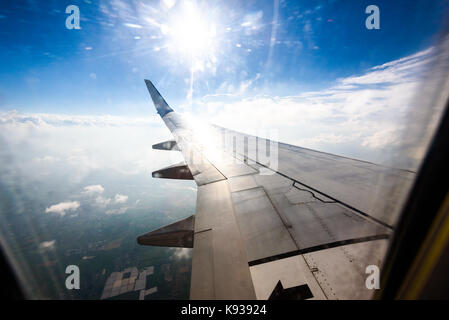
{"type": "Point", "coordinates": [100, 68]}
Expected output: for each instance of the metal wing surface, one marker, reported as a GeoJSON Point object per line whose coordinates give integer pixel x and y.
{"type": "Point", "coordinates": [274, 220]}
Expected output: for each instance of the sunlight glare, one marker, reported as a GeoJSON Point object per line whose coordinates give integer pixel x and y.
{"type": "Point", "coordinates": [193, 33]}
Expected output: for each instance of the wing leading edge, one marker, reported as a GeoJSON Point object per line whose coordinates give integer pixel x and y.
{"type": "Point", "coordinates": [300, 224]}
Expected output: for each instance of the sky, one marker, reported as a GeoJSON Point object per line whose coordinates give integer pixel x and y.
{"type": "Point", "coordinates": [309, 69]}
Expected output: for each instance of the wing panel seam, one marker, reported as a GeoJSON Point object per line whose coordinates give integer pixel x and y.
{"type": "Point", "coordinates": [317, 248]}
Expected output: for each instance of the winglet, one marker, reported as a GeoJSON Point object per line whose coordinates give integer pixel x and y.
{"type": "Point", "coordinates": [161, 106]}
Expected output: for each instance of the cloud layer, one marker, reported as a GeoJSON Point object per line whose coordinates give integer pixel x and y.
{"type": "Point", "coordinates": [61, 120]}
{"type": "Point", "coordinates": [358, 116]}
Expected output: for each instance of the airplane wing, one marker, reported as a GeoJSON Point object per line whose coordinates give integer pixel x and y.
{"type": "Point", "coordinates": [275, 221]}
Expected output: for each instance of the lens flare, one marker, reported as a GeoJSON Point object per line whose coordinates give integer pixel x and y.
{"type": "Point", "coordinates": [192, 35]}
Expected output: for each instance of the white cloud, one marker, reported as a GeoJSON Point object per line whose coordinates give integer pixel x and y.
{"type": "Point", "coordinates": [120, 198]}
{"type": "Point", "coordinates": [47, 245]}
{"type": "Point", "coordinates": [117, 211]}
{"type": "Point", "coordinates": [102, 201]}
{"type": "Point", "coordinates": [62, 207]}
{"type": "Point", "coordinates": [388, 136]}
{"type": "Point", "coordinates": [97, 188]}
{"type": "Point", "coordinates": [132, 25]}
{"type": "Point", "coordinates": [362, 113]}
{"type": "Point", "coordinates": [182, 253]}
{"type": "Point", "coordinates": [252, 21]}
{"type": "Point", "coordinates": [176, 185]}
{"type": "Point", "coordinates": [327, 138]}
{"type": "Point", "coordinates": [48, 159]}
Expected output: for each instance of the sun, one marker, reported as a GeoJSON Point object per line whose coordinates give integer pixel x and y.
{"type": "Point", "coordinates": [192, 34]}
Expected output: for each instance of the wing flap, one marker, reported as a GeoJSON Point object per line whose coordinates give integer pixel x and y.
{"type": "Point", "coordinates": [264, 231]}
{"type": "Point", "coordinates": [219, 264]}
